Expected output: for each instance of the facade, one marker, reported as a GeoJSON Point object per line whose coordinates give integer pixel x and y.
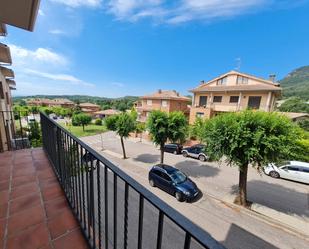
{"type": "Point", "coordinates": [167, 101]}
{"type": "Point", "coordinates": [233, 91]}
{"type": "Point", "coordinates": [51, 102]}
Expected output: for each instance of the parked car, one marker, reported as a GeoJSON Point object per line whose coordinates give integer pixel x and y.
{"type": "Point", "coordinates": [195, 151]}
{"type": "Point", "coordinates": [173, 148]}
{"type": "Point", "coordinates": [292, 170]}
{"type": "Point", "coordinates": [173, 181]}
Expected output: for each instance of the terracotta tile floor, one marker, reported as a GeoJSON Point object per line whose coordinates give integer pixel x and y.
{"type": "Point", "coordinates": [33, 210]}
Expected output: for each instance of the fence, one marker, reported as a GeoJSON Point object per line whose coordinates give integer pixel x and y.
{"type": "Point", "coordinates": [114, 210]}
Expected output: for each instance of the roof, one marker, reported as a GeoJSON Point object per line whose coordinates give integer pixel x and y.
{"type": "Point", "coordinates": [295, 115]}
{"type": "Point", "coordinates": [7, 72]}
{"type": "Point", "coordinates": [87, 110]}
{"type": "Point", "coordinates": [88, 105]}
{"type": "Point", "coordinates": [108, 112]}
{"type": "Point", "coordinates": [236, 88]}
{"type": "Point", "coordinates": [168, 169]}
{"type": "Point", "coordinates": [3, 31]}
{"type": "Point", "coordinates": [166, 94]}
{"type": "Point", "coordinates": [5, 54]}
{"type": "Point", "coordinates": [268, 84]}
{"type": "Point", "coordinates": [11, 82]}
{"type": "Point", "coordinates": [18, 13]}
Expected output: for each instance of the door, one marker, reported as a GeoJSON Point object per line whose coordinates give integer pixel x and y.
{"type": "Point", "coordinates": [254, 102]}
{"type": "Point", "coordinates": [304, 175]}
{"type": "Point", "coordinates": [166, 182]}
{"type": "Point", "coordinates": [294, 173]}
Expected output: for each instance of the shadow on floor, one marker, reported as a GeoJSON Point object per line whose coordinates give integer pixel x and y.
{"type": "Point", "coordinates": [238, 238]}
{"type": "Point", "coordinates": [147, 158]}
{"type": "Point", "coordinates": [277, 197]}
{"type": "Point", "coordinates": [194, 169]}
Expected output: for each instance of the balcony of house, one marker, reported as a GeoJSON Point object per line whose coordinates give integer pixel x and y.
{"type": "Point", "coordinates": [66, 195]}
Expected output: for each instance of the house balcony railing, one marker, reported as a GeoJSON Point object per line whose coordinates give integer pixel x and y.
{"type": "Point", "coordinates": [115, 211]}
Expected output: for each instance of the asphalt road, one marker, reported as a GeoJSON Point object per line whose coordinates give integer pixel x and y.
{"type": "Point", "coordinates": [232, 227]}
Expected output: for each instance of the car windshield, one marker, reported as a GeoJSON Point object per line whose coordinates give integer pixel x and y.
{"type": "Point", "coordinates": [178, 177]}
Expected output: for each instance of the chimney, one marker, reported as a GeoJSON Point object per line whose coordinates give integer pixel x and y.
{"type": "Point", "coordinates": [202, 82]}
{"type": "Point", "coordinates": [272, 77]}
{"type": "Point", "coordinates": [159, 91]}
{"type": "Point", "coordinates": [177, 94]}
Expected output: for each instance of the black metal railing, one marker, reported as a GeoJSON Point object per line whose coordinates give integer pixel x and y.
{"type": "Point", "coordinates": [115, 211]}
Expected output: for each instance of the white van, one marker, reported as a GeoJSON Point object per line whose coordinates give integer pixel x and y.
{"type": "Point", "coordinates": [292, 170]}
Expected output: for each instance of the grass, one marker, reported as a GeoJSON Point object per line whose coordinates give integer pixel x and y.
{"type": "Point", "coordinates": [90, 130]}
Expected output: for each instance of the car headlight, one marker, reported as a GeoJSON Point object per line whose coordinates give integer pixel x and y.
{"type": "Point", "coordinates": [186, 192]}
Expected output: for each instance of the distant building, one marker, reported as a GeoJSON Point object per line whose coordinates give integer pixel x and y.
{"type": "Point", "coordinates": [233, 91]}
{"type": "Point", "coordinates": [106, 113]}
{"type": "Point", "coordinates": [50, 102]}
{"type": "Point", "coordinates": [89, 108]}
{"type": "Point", "coordinates": [167, 101]}
{"type": "Point", "coordinates": [296, 116]}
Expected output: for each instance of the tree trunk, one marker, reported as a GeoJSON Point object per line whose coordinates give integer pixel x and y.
{"type": "Point", "coordinates": [242, 195]}
{"type": "Point", "coordinates": [162, 153]}
{"type": "Point", "coordinates": [83, 127]}
{"type": "Point", "coordinates": [123, 149]}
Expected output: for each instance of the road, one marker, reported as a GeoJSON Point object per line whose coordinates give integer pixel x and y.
{"type": "Point", "coordinates": [229, 225]}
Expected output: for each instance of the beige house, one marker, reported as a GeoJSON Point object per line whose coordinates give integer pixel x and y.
{"type": "Point", "coordinates": [106, 113]}
{"type": "Point", "coordinates": [167, 101]}
{"type": "Point", "coordinates": [51, 102]}
{"type": "Point", "coordinates": [233, 91]}
{"type": "Point", "coordinates": [89, 108]}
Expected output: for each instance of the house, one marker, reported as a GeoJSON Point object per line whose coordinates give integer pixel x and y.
{"type": "Point", "coordinates": [233, 91]}
{"type": "Point", "coordinates": [89, 108]}
{"type": "Point", "coordinates": [296, 116]}
{"type": "Point", "coordinates": [167, 101]}
{"type": "Point", "coordinates": [106, 113]}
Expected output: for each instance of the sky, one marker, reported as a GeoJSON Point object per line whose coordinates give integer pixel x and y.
{"type": "Point", "coordinates": [114, 48]}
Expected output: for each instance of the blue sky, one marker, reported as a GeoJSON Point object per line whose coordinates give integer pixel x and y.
{"type": "Point", "coordinates": [115, 48]}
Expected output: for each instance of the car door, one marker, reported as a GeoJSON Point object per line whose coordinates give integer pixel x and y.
{"type": "Point", "coordinates": [284, 172]}
{"type": "Point", "coordinates": [193, 152]}
{"type": "Point", "coordinates": [304, 175]}
{"type": "Point", "coordinates": [166, 182]}
{"type": "Point", "coordinates": [294, 172]}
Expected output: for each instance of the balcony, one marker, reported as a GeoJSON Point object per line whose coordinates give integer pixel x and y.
{"type": "Point", "coordinates": [66, 195]}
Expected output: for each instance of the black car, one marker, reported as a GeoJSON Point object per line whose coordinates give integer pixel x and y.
{"type": "Point", "coordinates": [173, 181]}
{"type": "Point", "coordinates": [173, 148]}
{"type": "Point", "coordinates": [195, 151]}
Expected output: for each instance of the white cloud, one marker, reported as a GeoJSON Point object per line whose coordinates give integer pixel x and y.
{"type": "Point", "coordinates": [180, 11]}
{"type": "Point", "coordinates": [60, 77]}
{"type": "Point", "coordinates": [79, 3]}
{"type": "Point", "coordinates": [117, 84]}
{"type": "Point", "coordinates": [23, 56]}
{"type": "Point", "coordinates": [56, 32]}
{"type": "Point", "coordinates": [41, 12]}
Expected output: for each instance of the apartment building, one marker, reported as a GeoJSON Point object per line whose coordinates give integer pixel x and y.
{"type": "Point", "coordinates": [233, 91]}
{"type": "Point", "coordinates": [167, 101]}
{"type": "Point", "coordinates": [51, 102]}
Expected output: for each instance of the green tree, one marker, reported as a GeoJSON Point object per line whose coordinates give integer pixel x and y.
{"type": "Point", "coordinates": [98, 121]}
{"type": "Point", "coordinates": [122, 124]}
{"type": "Point", "coordinates": [35, 135]}
{"type": "Point", "coordinates": [294, 104]}
{"type": "Point", "coordinates": [81, 119]}
{"type": "Point", "coordinates": [140, 128]}
{"type": "Point", "coordinates": [251, 138]}
{"type": "Point", "coordinates": [164, 127]}
{"type": "Point", "coordinates": [304, 124]}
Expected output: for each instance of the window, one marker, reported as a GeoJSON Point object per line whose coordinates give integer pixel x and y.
{"type": "Point", "coordinates": [149, 102]}
{"type": "Point", "coordinates": [1, 91]}
{"type": "Point", "coordinates": [234, 99]}
{"type": "Point", "coordinates": [165, 176]}
{"type": "Point", "coordinates": [203, 101]}
{"type": "Point", "coordinates": [254, 102]}
{"type": "Point", "coordinates": [217, 99]}
{"type": "Point", "coordinates": [293, 168]}
{"type": "Point", "coordinates": [7, 98]}
{"type": "Point", "coordinates": [164, 103]}
{"type": "Point", "coordinates": [222, 81]}
{"type": "Point", "coordinates": [242, 80]}
{"type": "Point", "coordinates": [199, 114]}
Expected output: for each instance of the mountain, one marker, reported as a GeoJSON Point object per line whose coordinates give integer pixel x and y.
{"type": "Point", "coordinates": [296, 83]}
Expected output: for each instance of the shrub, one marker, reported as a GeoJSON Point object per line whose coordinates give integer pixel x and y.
{"type": "Point", "coordinates": [98, 121]}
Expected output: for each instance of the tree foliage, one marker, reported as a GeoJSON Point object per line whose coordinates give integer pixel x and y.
{"type": "Point", "coordinates": [164, 127]}
{"type": "Point", "coordinates": [81, 119]}
{"type": "Point", "coordinates": [251, 137]}
{"type": "Point", "coordinates": [294, 104]}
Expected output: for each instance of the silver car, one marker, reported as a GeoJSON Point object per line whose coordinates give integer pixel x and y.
{"type": "Point", "coordinates": [291, 170]}
{"type": "Point", "coordinates": [195, 151]}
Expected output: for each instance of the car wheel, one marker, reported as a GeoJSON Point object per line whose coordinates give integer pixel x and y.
{"type": "Point", "coordinates": [179, 196]}
{"type": "Point", "coordinates": [274, 174]}
{"type": "Point", "coordinates": [185, 154]}
{"type": "Point", "coordinates": [175, 152]}
{"type": "Point", "coordinates": [202, 158]}
{"type": "Point", "coordinates": [151, 182]}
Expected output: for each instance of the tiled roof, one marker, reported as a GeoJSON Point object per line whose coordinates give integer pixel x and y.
{"type": "Point", "coordinates": [220, 88]}
{"type": "Point", "coordinates": [294, 115]}
{"type": "Point", "coordinates": [88, 105]}
{"type": "Point", "coordinates": [166, 94]}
